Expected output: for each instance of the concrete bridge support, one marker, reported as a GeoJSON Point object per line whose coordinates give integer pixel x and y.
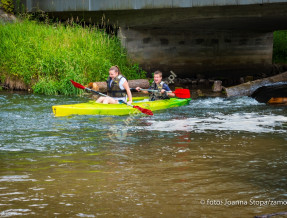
{"type": "Point", "coordinates": [189, 52]}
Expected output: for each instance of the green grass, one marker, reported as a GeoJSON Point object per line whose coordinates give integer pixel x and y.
{"type": "Point", "coordinates": [280, 46]}
{"type": "Point", "coordinates": [47, 56]}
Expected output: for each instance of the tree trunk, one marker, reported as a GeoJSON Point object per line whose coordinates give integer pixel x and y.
{"type": "Point", "coordinates": [102, 86]}
{"type": "Point", "coordinates": [247, 89]}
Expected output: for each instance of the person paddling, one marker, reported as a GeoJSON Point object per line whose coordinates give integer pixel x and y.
{"type": "Point", "coordinates": [118, 88]}
{"type": "Point", "coordinates": [159, 85]}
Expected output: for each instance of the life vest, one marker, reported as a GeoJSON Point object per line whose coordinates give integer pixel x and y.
{"type": "Point", "coordinates": [157, 95]}
{"type": "Point", "coordinates": [114, 89]}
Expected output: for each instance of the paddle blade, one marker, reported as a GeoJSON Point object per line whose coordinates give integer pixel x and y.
{"type": "Point", "coordinates": [143, 110]}
{"type": "Point", "coordinates": [182, 93]}
{"type": "Point", "coordinates": [77, 85]}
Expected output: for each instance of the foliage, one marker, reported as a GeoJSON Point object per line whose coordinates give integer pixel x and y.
{"type": "Point", "coordinates": [280, 46]}
{"type": "Point", "coordinates": [47, 56]}
{"type": "Point", "coordinates": [7, 5]}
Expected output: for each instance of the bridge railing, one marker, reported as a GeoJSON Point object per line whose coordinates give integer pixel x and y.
{"type": "Point", "coordinates": [104, 5]}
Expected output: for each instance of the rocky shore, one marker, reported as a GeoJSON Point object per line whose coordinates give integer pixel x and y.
{"type": "Point", "coordinates": [4, 17]}
{"type": "Point", "coordinates": [200, 87]}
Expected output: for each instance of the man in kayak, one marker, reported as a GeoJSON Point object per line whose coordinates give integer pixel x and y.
{"type": "Point", "coordinates": [118, 88]}
{"type": "Point", "coordinates": [159, 85]}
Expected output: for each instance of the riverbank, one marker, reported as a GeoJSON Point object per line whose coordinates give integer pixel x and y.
{"type": "Point", "coordinates": [43, 57]}
{"type": "Point", "coordinates": [5, 17]}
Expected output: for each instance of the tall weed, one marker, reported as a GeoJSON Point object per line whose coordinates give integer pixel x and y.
{"type": "Point", "coordinates": [47, 56]}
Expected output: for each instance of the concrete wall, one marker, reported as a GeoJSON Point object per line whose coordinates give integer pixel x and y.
{"type": "Point", "coordinates": [188, 53]}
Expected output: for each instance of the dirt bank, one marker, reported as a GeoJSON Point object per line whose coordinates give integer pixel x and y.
{"type": "Point", "coordinates": [4, 17]}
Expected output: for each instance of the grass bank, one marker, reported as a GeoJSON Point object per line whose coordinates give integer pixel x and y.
{"type": "Point", "coordinates": [280, 47]}
{"type": "Point", "coordinates": [47, 56]}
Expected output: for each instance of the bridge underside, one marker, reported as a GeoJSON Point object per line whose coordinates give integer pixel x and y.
{"type": "Point", "coordinates": [215, 41]}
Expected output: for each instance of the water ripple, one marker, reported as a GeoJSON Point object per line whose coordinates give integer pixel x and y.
{"type": "Point", "coordinates": [16, 178]}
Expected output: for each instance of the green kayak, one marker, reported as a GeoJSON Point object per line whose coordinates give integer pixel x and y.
{"type": "Point", "coordinates": [93, 108]}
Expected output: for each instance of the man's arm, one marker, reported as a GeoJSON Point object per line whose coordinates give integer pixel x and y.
{"type": "Point", "coordinates": [166, 88]}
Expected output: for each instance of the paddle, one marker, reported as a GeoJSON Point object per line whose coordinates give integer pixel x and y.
{"type": "Point", "coordinates": [143, 110]}
{"type": "Point", "coordinates": [180, 93]}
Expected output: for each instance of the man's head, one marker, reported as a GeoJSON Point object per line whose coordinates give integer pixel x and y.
{"type": "Point", "coordinates": [157, 76]}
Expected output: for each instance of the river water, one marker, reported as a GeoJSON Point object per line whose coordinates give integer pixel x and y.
{"type": "Point", "coordinates": [215, 157]}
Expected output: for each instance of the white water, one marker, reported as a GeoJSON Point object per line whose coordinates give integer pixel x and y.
{"type": "Point", "coordinates": [219, 114]}
{"type": "Point", "coordinates": [247, 122]}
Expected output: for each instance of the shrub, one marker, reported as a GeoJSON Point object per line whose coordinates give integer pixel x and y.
{"type": "Point", "coordinates": [280, 46]}
{"type": "Point", "coordinates": [7, 5]}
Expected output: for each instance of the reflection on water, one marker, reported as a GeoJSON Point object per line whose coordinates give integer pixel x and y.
{"type": "Point", "coordinates": [215, 157]}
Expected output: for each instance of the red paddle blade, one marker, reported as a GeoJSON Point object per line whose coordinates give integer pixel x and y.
{"type": "Point", "coordinates": [143, 110]}
{"type": "Point", "coordinates": [182, 93]}
{"type": "Point", "coordinates": [77, 85]}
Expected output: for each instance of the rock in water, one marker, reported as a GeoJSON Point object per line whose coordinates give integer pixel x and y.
{"type": "Point", "coordinates": [217, 87]}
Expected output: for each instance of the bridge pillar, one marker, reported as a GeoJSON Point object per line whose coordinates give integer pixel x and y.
{"type": "Point", "coordinates": [189, 52]}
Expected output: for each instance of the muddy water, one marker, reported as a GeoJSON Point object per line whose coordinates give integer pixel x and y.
{"type": "Point", "coordinates": [213, 158]}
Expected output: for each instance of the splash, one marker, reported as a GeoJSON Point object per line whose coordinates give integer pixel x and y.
{"type": "Point", "coordinates": [246, 122]}
{"type": "Point", "coordinates": [224, 102]}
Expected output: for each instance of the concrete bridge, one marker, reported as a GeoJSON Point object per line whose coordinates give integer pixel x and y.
{"type": "Point", "coordinates": [190, 37]}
